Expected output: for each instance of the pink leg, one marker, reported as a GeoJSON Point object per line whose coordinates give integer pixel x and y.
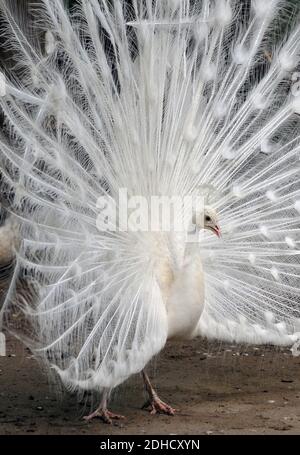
{"type": "Point", "coordinates": [155, 404]}
{"type": "Point", "coordinates": [103, 413]}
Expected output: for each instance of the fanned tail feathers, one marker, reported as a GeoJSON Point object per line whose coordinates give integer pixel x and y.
{"type": "Point", "coordinates": [159, 98]}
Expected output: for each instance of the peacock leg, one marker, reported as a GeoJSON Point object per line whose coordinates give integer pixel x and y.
{"type": "Point", "coordinates": [154, 403]}
{"type": "Point", "coordinates": [102, 412]}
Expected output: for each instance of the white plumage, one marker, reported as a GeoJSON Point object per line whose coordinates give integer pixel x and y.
{"type": "Point", "coordinates": [9, 240]}
{"type": "Point", "coordinates": [161, 98]}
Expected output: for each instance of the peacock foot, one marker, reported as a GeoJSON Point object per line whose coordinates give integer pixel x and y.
{"type": "Point", "coordinates": [105, 415]}
{"type": "Point", "coordinates": [156, 405]}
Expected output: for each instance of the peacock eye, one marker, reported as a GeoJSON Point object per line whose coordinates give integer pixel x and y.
{"type": "Point", "coordinates": [207, 218]}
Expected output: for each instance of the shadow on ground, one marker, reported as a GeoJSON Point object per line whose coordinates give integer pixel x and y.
{"type": "Point", "coordinates": [218, 389]}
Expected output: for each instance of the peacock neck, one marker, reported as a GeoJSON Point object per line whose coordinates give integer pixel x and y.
{"type": "Point", "coordinates": [191, 246]}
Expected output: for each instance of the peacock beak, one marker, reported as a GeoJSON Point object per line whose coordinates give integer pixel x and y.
{"type": "Point", "coordinates": [217, 231]}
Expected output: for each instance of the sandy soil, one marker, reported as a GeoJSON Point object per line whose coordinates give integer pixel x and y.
{"type": "Point", "coordinates": [218, 389]}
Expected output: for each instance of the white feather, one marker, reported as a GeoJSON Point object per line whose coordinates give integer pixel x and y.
{"type": "Point", "coordinates": [161, 101]}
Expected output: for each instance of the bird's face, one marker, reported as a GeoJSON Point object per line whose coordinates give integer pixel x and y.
{"type": "Point", "coordinates": [207, 219]}
{"type": "Point", "coordinates": [211, 220]}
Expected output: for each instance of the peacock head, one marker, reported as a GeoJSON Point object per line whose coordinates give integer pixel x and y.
{"type": "Point", "coordinates": [211, 220]}
{"type": "Point", "coordinates": [208, 219]}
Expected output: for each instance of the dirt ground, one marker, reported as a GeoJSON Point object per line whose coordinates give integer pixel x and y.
{"type": "Point", "coordinates": [217, 388]}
